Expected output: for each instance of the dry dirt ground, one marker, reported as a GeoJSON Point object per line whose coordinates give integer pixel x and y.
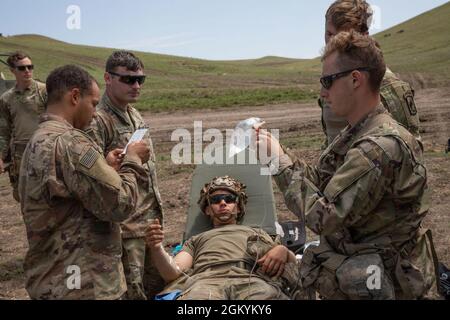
{"type": "Point", "coordinates": [300, 130]}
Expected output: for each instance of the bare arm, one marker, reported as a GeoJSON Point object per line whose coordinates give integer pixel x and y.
{"type": "Point", "coordinates": [168, 267]}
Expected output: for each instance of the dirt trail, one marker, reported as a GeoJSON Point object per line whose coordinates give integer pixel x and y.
{"type": "Point", "coordinates": [276, 116]}
{"type": "Point", "coordinates": [292, 120]}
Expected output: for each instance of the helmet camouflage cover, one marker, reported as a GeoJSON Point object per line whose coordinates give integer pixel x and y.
{"type": "Point", "coordinates": [224, 183]}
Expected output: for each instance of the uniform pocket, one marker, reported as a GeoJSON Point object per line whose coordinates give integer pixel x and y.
{"type": "Point", "coordinates": [355, 167]}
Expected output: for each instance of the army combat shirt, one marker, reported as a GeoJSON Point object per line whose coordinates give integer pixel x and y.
{"type": "Point", "coordinates": [221, 246]}
{"type": "Point", "coordinates": [72, 202]}
{"type": "Point", "coordinates": [112, 128]}
{"type": "Point", "coordinates": [19, 117]}
{"type": "Point", "coordinates": [369, 192]}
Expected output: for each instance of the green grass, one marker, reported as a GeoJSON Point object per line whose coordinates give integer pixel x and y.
{"type": "Point", "coordinates": [219, 98]}
{"type": "Point", "coordinates": [420, 45]}
{"type": "Point", "coordinates": [179, 83]}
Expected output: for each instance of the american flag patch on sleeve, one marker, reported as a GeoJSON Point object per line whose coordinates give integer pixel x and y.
{"type": "Point", "coordinates": [89, 158]}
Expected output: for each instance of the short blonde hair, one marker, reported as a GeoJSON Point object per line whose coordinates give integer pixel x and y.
{"type": "Point", "coordinates": [346, 15]}
{"type": "Point", "coordinates": [357, 51]}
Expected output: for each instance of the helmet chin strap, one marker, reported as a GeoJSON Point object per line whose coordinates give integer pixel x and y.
{"type": "Point", "coordinates": [232, 216]}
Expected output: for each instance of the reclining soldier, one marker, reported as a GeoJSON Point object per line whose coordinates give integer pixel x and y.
{"type": "Point", "coordinates": [230, 261]}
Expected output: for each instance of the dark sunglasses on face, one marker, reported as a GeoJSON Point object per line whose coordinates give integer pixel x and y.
{"type": "Point", "coordinates": [23, 68]}
{"type": "Point", "coordinates": [228, 198]}
{"type": "Point", "coordinates": [129, 79]}
{"type": "Point", "coordinates": [327, 81]}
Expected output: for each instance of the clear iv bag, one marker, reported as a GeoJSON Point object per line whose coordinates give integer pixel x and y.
{"type": "Point", "coordinates": [243, 135]}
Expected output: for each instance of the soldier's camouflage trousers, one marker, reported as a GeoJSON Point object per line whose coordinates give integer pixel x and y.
{"type": "Point", "coordinates": [14, 171]}
{"type": "Point", "coordinates": [251, 288]}
{"type": "Point", "coordinates": [366, 276]}
{"type": "Point", "coordinates": [346, 278]}
{"type": "Point", "coordinates": [143, 280]}
{"type": "Point", "coordinates": [16, 152]}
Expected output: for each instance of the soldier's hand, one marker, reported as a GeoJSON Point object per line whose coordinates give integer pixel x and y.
{"type": "Point", "coordinates": [140, 149]}
{"type": "Point", "coordinates": [154, 235]}
{"type": "Point", "coordinates": [274, 261]}
{"type": "Point", "coordinates": [114, 158]}
{"type": "Point", "coordinates": [2, 166]}
{"type": "Point", "coordinates": [268, 147]}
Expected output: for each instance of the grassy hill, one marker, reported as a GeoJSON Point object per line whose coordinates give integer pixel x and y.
{"type": "Point", "coordinates": [177, 82]}
{"type": "Point", "coordinates": [418, 48]}
{"type": "Point", "coordinates": [421, 44]}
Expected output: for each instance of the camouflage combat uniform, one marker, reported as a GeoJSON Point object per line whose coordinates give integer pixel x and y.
{"type": "Point", "coordinates": [72, 202]}
{"type": "Point", "coordinates": [366, 199]}
{"type": "Point", "coordinates": [19, 117]}
{"type": "Point", "coordinates": [222, 268]}
{"type": "Point", "coordinates": [112, 128]}
{"type": "Point", "coordinates": [397, 97]}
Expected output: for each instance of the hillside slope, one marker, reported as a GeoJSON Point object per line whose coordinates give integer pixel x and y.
{"type": "Point", "coordinates": [419, 49]}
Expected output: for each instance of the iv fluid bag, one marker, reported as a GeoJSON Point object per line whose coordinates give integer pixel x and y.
{"type": "Point", "coordinates": [243, 135]}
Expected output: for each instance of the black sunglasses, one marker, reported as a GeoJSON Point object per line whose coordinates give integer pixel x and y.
{"type": "Point", "coordinates": [228, 198]}
{"type": "Point", "coordinates": [23, 68]}
{"type": "Point", "coordinates": [129, 79]}
{"type": "Point", "coordinates": [327, 81]}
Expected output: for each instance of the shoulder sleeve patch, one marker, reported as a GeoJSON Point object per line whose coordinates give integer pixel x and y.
{"type": "Point", "coordinates": [89, 158]}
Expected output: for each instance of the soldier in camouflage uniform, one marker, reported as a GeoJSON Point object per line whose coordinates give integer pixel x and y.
{"type": "Point", "coordinates": [368, 195]}
{"type": "Point", "coordinates": [20, 108]}
{"type": "Point", "coordinates": [112, 128]}
{"type": "Point", "coordinates": [397, 96]}
{"type": "Point", "coordinates": [222, 263]}
{"type": "Point", "coordinates": [73, 199]}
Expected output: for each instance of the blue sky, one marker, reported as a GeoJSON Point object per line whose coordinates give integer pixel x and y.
{"type": "Point", "coordinates": [209, 29]}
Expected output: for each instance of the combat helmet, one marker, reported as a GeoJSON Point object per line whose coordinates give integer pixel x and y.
{"type": "Point", "coordinates": [224, 183]}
